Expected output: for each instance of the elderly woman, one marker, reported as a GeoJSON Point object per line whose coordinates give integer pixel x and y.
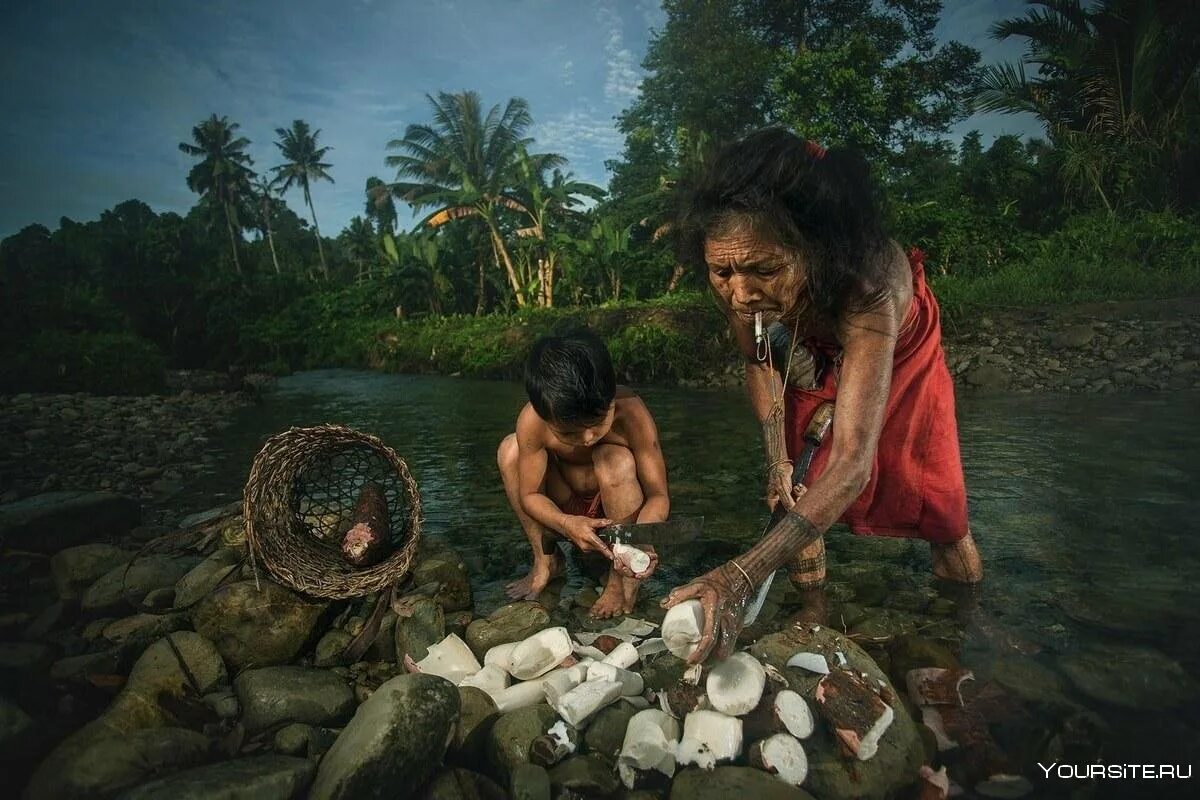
{"type": "Point", "coordinates": [792, 242]}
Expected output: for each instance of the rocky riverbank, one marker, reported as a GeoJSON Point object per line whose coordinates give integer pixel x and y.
{"type": "Point", "coordinates": [1095, 349]}
{"type": "Point", "coordinates": [145, 447]}
{"type": "Point", "coordinates": [176, 668]}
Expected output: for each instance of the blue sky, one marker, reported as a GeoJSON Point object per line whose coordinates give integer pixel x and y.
{"type": "Point", "coordinates": [98, 93]}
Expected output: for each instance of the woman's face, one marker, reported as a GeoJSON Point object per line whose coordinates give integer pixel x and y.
{"type": "Point", "coordinates": [752, 273]}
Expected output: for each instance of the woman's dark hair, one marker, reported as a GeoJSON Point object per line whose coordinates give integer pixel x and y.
{"type": "Point", "coordinates": [570, 378]}
{"type": "Point", "coordinates": [816, 202]}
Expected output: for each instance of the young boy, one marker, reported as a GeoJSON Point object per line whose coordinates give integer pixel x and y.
{"type": "Point", "coordinates": [585, 455]}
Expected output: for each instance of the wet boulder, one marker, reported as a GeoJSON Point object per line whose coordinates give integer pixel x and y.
{"type": "Point", "coordinates": [510, 623]}
{"type": "Point", "coordinates": [461, 784]}
{"type": "Point", "coordinates": [272, 695]}
{"type": "Point", "coordinates": [724, 783]}
{"type": "Point", "coordinates": [450, 573]}
{"type": "Point", "coordinates": [76, 568]}
{"type": "Point", "coordinates": [206, 576]}
{"type": "Point", "coordinates": [124, 587]}
{"type": "Point", "coordinates": [511, 735]}
{"type": "Point", "coordinates": [420, 624]}
{"type": "Point", "coordinates": [54, 521]}
{"type": "Point", "coordinates": [397, 740]}
{"type": "Point", "coordinates": [254, 626]}
{"type": "Point", "coordinates": [270, 777]}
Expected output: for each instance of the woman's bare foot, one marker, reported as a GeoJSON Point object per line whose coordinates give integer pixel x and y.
{"type": "Point", "coordinates": [544, 570]}
{"type": "Point", "coordinates": [631, 592]}
{"type": "Point", "coordinates": [958, 562]}
{"type": "Point", "coordinates": [611, 602]}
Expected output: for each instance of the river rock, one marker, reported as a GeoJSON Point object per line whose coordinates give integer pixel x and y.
{"type": "Point", "coordinates": [508, 744]}
{"type": "Point", "coordinates": [124, 587]}
{"type": "Point", "coordinates": [77, 568]}
{"type": "Point", "coordinates": [1130, 677]}
{"type": "Point", "coordinates": [1073, 337]}
{"type": "Point", "coordinates": [292, 740]}
{"type": "Point", "coordinates": [205, 576]}
{"type": "Point", "coordinates": [606, 731]}
{"type": "Point", "coordinates": [724, 783]}
{"type": "Point", "coordinates": [424, 625]}
{"type": "Point", "coordinates": [394, 743]}
{"type": "Point", "coordinates": [913, 652]}
{"type": "Point", "coordinates": [584, 775]}
{"type": "Point", "coordinates": [510, 623]}
{"type": "Point", "coordinates": [477, 714]}
{"type": "Point", "coordinates": [529, 782]}
{"type": "Point", "coordinates": [76, 669]}
{"type": "Point", "coordinates": [461, 784]}
{"type": "Point", "coordinates": [454, 592]}
{"type": "Point", "coordinates": [989, 377]}
{"type": "Point", "coordinates": [832, 776]}
{"type": "Point", "coordinates": [54, 521]}
{"type": "Point", "coordinates": [272, 695]}
{"type": "Point", "coordinates": [144, 627]}
{"type": "Point", "coordinates": [1030, 680]}
{"type": "Point", "coordinates": [256, 627]}
{"type": "Point", "coordinates": [331, 649]}
{"type": "Point", "coordinates": [15, 725]}
{"type": "Point", "coordinates": [269, 777]}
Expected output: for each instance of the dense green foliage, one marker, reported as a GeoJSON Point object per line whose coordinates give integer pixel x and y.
{"type": "Point", "coordinates": [510, 247]}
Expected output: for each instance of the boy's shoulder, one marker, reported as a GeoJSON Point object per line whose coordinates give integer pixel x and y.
{"type": "Point", "coordinates": [530, 422]}
{"type": "Point", "coordinates": [630, 405]}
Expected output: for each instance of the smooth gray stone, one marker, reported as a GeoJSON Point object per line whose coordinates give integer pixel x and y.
{"type": "Point", "coordinates": [49, 522]}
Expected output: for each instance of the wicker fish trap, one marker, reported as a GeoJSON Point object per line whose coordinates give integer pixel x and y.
{"type": "Point", "coordinates": [299, 501]}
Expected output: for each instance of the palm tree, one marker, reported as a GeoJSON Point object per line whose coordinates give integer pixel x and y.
{"type": "Point", "coordinates": [263, 191]}
{"type": "Point", "coordinates": [361, 246]}
{"type": "Point", "coordinates": [223, 173]}
{"type": "Point", "coordinates": [303, 166]}
{"type": "Point", "coordinates": [380, 208]}
{"type": "Point", "coordinates": [547, 205]}
{"type": "Point", "coordinates": [1115, 82]}
{"type": "Point", "coordinates": [463, 166]}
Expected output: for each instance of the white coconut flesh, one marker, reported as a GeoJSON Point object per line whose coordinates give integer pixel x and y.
{"type": "Point", "coordinates": [650, 742]}
{"type": "Point", "coordinates": [735, 685]}
{"type": "Point", "coordinates": [631, 682]}
{"type": "Point", "coordinates": [792, 710]}
{"type": "Point", "coordinates": [651, 647]}
{"type": "Point", "coordinates": [637, 560]}
{"type": "Point", "coordinates": [624, 655]}
{"type": "Point", "coordinates": [559, 682]}
{"type": "Point", "coordinates": [813, 662]}
{"type": "Point", "coordinates": [450, 659]}
{"type": "Point", "coordinates": [577, 705]}
{"type": "Point", "coordinates": [539, 653]}
{"type": "Point", "coordinates": [681, 628]}
{"type": "Point", "coordinates": [708, 738]}
{"type": "Point", "coordinates": [523, 695]}
{"type": "Point", "coordinates": [499, 655]}
{"type": "Point", "coordinates": [783, 756]}
{"type": "Point", "coordinates": [490, 679]}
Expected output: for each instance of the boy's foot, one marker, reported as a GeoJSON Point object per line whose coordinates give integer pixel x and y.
{"type": "Point", "coordinates": [543, 571]}
{"type": "Point", "coordinates": [611, 602]}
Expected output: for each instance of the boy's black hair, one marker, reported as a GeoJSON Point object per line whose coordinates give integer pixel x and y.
{"type": "Point", "coordinates": [821, 204]}
{"type": "Point", "coordinates": [570, 378]}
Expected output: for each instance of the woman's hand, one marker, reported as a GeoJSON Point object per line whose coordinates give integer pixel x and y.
{"type": "Point", "coordinates": [723, 594]}
{"type": "Point", "coordinates": [623, 569]}
{"type": "Point", "coordinates": [779, 486]}
{"type": "Point", "coordinates": [581, 531]}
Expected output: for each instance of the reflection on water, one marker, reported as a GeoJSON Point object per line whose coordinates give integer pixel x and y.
{"type": "Point", "coordinates": [1085, 510]}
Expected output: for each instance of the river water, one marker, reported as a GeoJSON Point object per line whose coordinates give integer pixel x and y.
{"type": "Point", "coordinates": [1084, 508]}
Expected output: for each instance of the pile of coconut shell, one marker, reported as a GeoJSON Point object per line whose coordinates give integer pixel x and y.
{"type": "Point", "coordinates": [736, 710]}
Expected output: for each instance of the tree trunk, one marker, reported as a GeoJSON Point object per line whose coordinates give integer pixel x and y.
{"type": "Point", "coordinates": [502, 253]}
{"type": "Point", "coordinates": [271, 241]}
{"type": "Point", "coordinates": [676, 276]}
{"type": "Point", "coordinates": [317, 230]}
{"type": "Point", "coordinates": [237, 264]}
{"type": "Point", "coordinates": [480, 287]}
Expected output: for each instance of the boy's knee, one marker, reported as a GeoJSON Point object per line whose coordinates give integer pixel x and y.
{"type": "Point", "coordinates": [506, 454]}
{"type": "Point", "coordinates": [614, 463]}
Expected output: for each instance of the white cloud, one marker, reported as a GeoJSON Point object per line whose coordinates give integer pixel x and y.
{"type": "Point", "coordinates": [622, 76]}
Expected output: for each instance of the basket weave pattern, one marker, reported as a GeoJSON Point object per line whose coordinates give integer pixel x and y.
{"type": "Point", "coordinates": [298, 501]}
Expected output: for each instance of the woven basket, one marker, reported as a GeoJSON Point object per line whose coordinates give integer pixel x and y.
{"type": "Point", "coordinates": [298, 501]}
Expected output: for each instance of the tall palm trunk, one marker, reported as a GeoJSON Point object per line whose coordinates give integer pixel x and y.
{"type": "Point", "coordinates": [317, 230]}
{"type": "Point", "coordinates": [237, 264]}
{"type": "Point", "coordinates": [266, 212]}
{"type": "Point", "coordinates": [479, 287]}
{"type": "Point", "coordinates": [502, 253]}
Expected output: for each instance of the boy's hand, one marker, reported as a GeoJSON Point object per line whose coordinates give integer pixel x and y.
{"type": "Point", "coordinates": [582, 533]}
